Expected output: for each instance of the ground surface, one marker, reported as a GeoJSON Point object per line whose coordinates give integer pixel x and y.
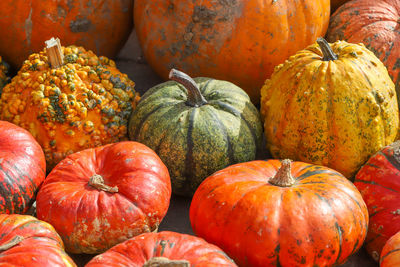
{"type": "Point", "coordinates": [130, 61]}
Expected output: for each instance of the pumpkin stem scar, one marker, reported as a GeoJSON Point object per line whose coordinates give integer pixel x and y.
{"type": "Point", "coordinates": [195, 98]}
{"type": "Point", "coordinates": [327, 52]}
{"type": "Point", "coordinates": [97, 182]}
{"type": "Point", "coordinates": [283, 176]}
{"type": "Point", "coordinates": [13, 242]}
{"type": "Point", "coordinates": [54, 53]}
{"type": "Point", "coordinates": [165, 262]}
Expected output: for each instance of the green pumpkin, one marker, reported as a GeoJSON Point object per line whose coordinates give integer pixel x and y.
{"type": "Point", "coordinates": [197, 127]}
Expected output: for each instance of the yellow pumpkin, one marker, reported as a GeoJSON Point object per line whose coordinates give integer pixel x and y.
{"type": "Point", "coordinates": [334, 107]}
{"type": "Point", "coordinates": [83, 103]}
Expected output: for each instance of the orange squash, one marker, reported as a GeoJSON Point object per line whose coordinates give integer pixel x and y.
{"type": "Point", "coordinates": [237, 41]}
{"type": "Point", "coordinates": [390, 255]}
{"type": "Point", "coordinates": [100, 25]}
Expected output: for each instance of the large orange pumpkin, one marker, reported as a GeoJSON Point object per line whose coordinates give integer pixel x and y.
{"type": "Point", "coordinates": [100, 25]}
{"type": "Point", "coordinates": [268, 213]}
{"type": "Point", "coordinates": [239, 41]}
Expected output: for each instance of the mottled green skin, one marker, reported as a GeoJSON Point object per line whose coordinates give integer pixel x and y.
{"type": "Point", "coordinates": [194, 142]}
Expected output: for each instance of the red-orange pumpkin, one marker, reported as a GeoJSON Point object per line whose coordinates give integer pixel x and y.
{"type": "Point", "coordinates": [376, 25]}
{"type": "Point", "coordinates": [22, 168]}
{"type": "Point", "coordinates": [27, 242]}
{"type": "Point", "coordinates": [99, 197]}
{"type": "Point", "coordinates": [264, 213]}
{"type": "Point", "coordinates": [390, 255]}
{"type": "Point", "coordinates": [238, 41]}
{"type": "Point", "coordinates": [161, 249]}
{"type": "Point", "coordinates": [102, 26]}
{"type": "Point", "coordinates": [379, 183]}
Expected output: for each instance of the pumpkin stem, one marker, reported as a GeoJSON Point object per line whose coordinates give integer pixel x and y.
{"type": "Point", "coordinates": [283, 176]}
{"type": "Point", "coordinates": [195, 98]}
{"type": "Point", "coordinates": [327, 52]}
{"type": "Point", "coordinates": [13, 242]}
{"type": "Point", "coordinates": [165, 262]}
{"type": "Point", "coordinates": [97, 182]}
{"type": "Point", "coordinates": [54, 53]}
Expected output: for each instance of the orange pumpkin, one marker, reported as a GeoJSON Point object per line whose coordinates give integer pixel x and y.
{"type": "Point", "coordinates": [100, 25]}
{"type": "Point", "coordinates": [390, 255]}
{"type": "Point", "coordinates": [237, 41]}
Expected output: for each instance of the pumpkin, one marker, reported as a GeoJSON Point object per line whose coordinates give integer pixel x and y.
{"type": "Point", "coordinates": [390, 256]}
{"type": "Point", "coordinates": [22, 168]}
{"type": "Point", "coordinates": [238, 41]}
{"type": "Point", "coordinates": [3, 74]}
{"type": "Point", "coordinates": [335, 4]}
{"type": "Point", "coordinates": [28, 242]}
{"type": "Point", "coordinates": [99, 25]}
{"type": "Point", "coordinates": [80, 101]}
{"type": "Point", "coordinates": [196, 127]}
{"type": "Point", "coordinates": [379, 183]}
{"type": "Point", "coordinates": [102, 196]}
{"type": "Point", "coordinates": [163, 249]}
{"type": "Point", "coordinates": [373, 23]}
{"type": "Point", "coordinates": [333, 105]}
{"type": "Point", "coordinates": [273, 213]}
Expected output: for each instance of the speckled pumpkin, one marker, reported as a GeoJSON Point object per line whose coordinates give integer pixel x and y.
{"type": "Point", "coordinates": [335, 107]}
{"type": "Point", "coordinates": [197, 127]}
{"type": "Point", "coordinates": [3, 74]}
{"type": "Point", "coordinates": [376, 25]}
{"type": "Point", "coordinates": [84, 103]}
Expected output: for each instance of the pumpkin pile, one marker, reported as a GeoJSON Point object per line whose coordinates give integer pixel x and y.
{"type": "Point", "coordinates": [96, 164]}
{"type": "Point", "coordinates": [69, 100]}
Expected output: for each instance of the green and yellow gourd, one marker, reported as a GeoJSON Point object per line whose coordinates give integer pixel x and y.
{"type": "Point", "coordinates": [332, 105]}
{"type": "Point", "coordinates": [196, 126]}
{"type": "Point", "coordinates": [3, 74]}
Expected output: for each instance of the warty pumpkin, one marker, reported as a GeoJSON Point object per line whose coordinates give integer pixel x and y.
{"type": "Point", "coordinates": [379, 183]}
{"type": "Point", "coordinates": [239, 41]}
{"type": "Point", "coordinates": [102, 26]}
{"type": "Point", "coordinates": [3, 74]}
{"type": "Point", "coordinates": [196, 127]}
{"type": "Point", "coordinates": [273, 213]}
{"type": "Point", "coordinates": [163, 249]}
{"type": "Point", "coordinates": [375, 24]}
{"type": "Point", "coordinates": [80, 101]}
{"type": "Point", "coordinates": [390, 256]}
{"type": "Point", "coordinates": [28, 242]}
{"type": "Point", "coordinates": [22, 168]}
{"type": "Point", "coordinates": [330, 104]}
{"type": "Point", "coordinates": [99, 197]}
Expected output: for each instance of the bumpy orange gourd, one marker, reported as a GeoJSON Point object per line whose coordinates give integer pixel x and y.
{"type": "Point", "coordinates": [84, 103]}
{"type": "Point", "coordinates": [327, 111]}
{"type": "Point", "coordinates": [102, 26]}
{"type": "Point", "coordinates": [238, 41]}
{"type": "Point", "coordinates": [3, 74]}
{"type": "Point", "coordinates": [376, 25]}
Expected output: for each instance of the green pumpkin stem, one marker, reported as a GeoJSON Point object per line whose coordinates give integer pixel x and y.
{"type": "Point", "coordinates": [13, 242]}
{"type": "Point", "coordinates": [97, 182]}
{"type": "Point", "coordinates": [195, 98]}
{"type": "Point", "coordinates": [283, 176]}
{"type": "Point", "coordinates": [54, 53]}
{"type": "Point", "coordinates": [165, 262]}
{"type": "Point", "coordinates": [327, 52]}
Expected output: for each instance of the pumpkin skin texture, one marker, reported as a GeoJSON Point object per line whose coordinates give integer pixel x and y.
{"type": "Point", "coordinates": [22, 168]}
{"type": "Point", "coordinates": [317, 219]}
{"type": "Point", "coordinates": [179, 248]}
{"type": "Point", "coordinates": [92, 218]}
{"type": "Point", "coordinates": [3, 74]}
{"type": "Point", "coordinates": [84, 103]}
{"type": "Point", "coordinates": [336, 113]}
{"type": "Point", "coordinates": [102, 26]}
{"type": "Point", "coordinates": [375, 24]}
{"type": "Point", "coordinates": [379, 183]}
{"type": "Point", "coordinates": [28, 242]}
{"type": "Point", "coordinates": [237, 41]}
{"type": "Point", "coordinates": [195, 140]}
{"type": "Point", "coordinates": [390, 256]}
